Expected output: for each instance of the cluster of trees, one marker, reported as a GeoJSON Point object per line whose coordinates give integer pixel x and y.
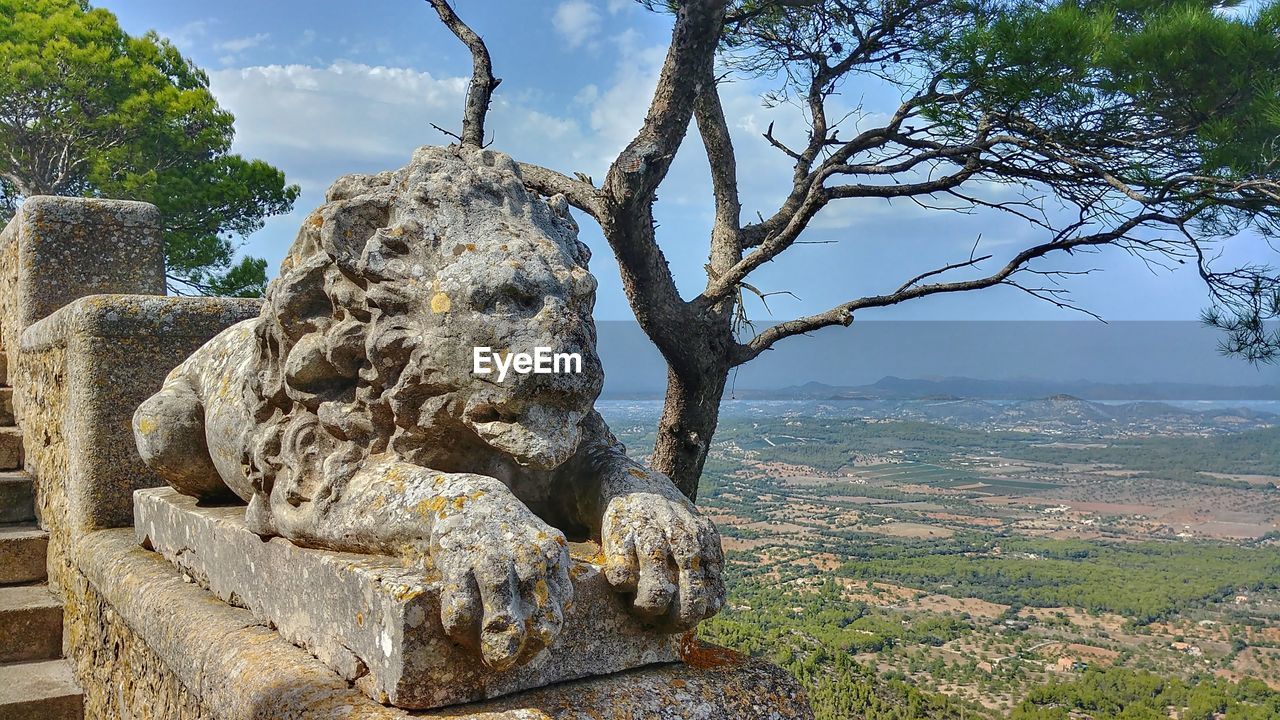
{"type": "Point", "coordinates": [1252, 452]}
{"type": "Point", "coordinates": [1124, 694]}
{"type": "Point", "coordinates": [88, 110]}
{"type": "Point", "coordinates": [814, 635]}
{"type": "Point", "coordinates": [832, 444]}
{"type": "Point", "coordinates": [829, 445]}
{"type": "Point", "coordinates": [1143, 582]}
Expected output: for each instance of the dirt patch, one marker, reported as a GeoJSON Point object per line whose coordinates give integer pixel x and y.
{"type": "Point", "coordinates": [1079, 618]}
{"type": "Point", "coordinates": [888, 595]}
{"type": "Point", "coordinates": [909, 530]}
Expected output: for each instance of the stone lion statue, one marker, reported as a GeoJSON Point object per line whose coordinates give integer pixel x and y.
{"type": "Point", "coordinates": [348, 416]}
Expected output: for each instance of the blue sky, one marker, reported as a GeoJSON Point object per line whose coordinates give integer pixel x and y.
{"type": "Point", "coordinates": [323, 89]}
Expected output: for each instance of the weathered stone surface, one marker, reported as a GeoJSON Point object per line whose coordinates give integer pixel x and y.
{"type": "Point", "coordinates": [10, 448]}
{"type": "Point", "coordinates": [376, 622]}
{"type": "Point", "coordinates": [80, 373]}
{"type": "Point", "coordinates": [22, 553]}
{"type": "Point", "coordinates": [30, 624]}
{"type": "Point", "coordinates": [348, 416]}
{"type": "Point", "coordinates": [17, 498]}
{"type": "Point", "coordinates": [6, 406]}
{"type": "Point", "coordinates": [57, 249]}
{"type": "Point", "coordinates": [39, 691]}
{"type": "Point", "coordinates": [145, 640]}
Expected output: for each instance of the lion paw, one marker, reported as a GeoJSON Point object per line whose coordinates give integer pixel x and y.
{"type": "Point", "coordinates": [506, 582]}
{"type": "Point", "coordinates": [669, 556]}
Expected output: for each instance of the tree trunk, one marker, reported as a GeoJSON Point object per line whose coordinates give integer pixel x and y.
{"type": "Point", "coordinates": [688, 423]}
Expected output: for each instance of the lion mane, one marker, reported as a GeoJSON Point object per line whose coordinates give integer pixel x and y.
{"type": "Point", "coordinates": [342, 371]}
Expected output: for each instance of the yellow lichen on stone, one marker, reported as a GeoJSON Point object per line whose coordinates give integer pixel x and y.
{"type": "Point", "coordinates": [408, 593]}
{"type": "Point", "coordinates": [431, 506]}
{"type": "Point", "coordinates": [440, 303]}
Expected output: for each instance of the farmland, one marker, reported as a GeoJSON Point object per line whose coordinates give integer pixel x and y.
{"type": "Point", "coordinates": [966, 570]}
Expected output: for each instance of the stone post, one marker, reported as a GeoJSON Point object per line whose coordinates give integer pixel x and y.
{"type": "Point", "coordinates": [58, 249]}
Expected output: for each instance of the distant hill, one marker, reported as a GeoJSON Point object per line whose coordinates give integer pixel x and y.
{"type": "Point", "coordinates": [1015, 405]}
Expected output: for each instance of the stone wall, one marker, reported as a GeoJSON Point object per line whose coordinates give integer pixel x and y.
{"type": "Point", "coordinates": [150, 645]}
{"type": "Point", "coordinates": [121, 676]}
{"type": "Point", "coordinates": [79, 374]}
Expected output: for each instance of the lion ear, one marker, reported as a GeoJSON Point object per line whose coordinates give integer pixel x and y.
{"type": "Point", "coordinates": [349, 225]}
{"type": "Point", "coordinates": [384, 252]}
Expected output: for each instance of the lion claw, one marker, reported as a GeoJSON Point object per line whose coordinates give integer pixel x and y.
{"type": "Point", "coordinates": [506, 587]}
{"type": "Point", "coordinates": [666, 554]}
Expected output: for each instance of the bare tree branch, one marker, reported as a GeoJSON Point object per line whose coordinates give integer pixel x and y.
{"type": "Point", "coordinates": [634, 176]}
{"type": "Point", "coordinates": [843, 314]}
{"type": "Point", "coordinates": [726, 248]}
{"type": "Point", "coordinates": [483, 83]}
{"type": "Point", "coordinates": [579, 193]}
{"type": "Point", "coordinates": [639, 169]}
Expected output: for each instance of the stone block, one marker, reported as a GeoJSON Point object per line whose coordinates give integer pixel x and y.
{"type": "Point", "coordinates": [193, 656]}
{"type": "Point", "coordinates": [30, 624]}
{"type": "Point", "coordinates": [17, 499]}
{"type": "Point", "coordinates": [374, 620]}
{"type": "Point", "coordinates": [58, 249]}
{"type": "Point", "coordinates": [22, 553]}
{"type": "Point", "coordinates": [39, 691]}
{"type": "Point", "coordinates": [10, 448]}
{"type": "Point", "coordinates": [6, 406]}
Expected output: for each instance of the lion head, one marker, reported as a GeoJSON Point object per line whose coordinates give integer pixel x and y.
{"type": "Point", "coordinates": [366, 338]}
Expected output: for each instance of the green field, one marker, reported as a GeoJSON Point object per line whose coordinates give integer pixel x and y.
{"type": "Point", "coordinates": [920, 473]}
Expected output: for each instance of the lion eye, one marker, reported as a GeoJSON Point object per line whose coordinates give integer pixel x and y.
{"type": "Point", "coordinates": [513, 300]}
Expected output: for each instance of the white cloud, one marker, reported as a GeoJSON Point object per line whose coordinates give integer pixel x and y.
{"type": "Point", "coordinates": [577, 21]}
{"type": "Point", "coordinates": [320, 122]}
{"type": "Point", "coordinates": [617, 111]}
{"type": "Point", "coordinates": [238, 45]}
{"type": "Point", "coordinates": [188, 34]}
{"type": "Point", "coordinates": [587, 95]}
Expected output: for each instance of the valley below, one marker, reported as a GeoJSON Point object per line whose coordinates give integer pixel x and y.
{"type": "Point", "coordinates": [1048, 558]}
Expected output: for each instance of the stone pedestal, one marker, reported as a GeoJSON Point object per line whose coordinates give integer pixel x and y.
{"type": "Point", "coordinates": [147, 644]}
{"type": "Point", "coordinates": [375, 621]}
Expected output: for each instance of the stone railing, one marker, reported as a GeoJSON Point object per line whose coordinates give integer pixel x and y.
{"type": "Point", "coordinates": [89, 335]}
{"type": "Point", "coordinates": [83, 354]}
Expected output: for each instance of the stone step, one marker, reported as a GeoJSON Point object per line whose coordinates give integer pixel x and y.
{"type": "Point", "coordinates": [17, 498]}
{"type": "Point", "coordinates": [22, 553]}
{"type": "Point", "coordinates": [10, 448]}
{"type": "Point", "coordinates": [30, 624]}
{"type": "Point", "coordinates": [6, 406]}
{"type": "Point", "coordinates": [40, 691]}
